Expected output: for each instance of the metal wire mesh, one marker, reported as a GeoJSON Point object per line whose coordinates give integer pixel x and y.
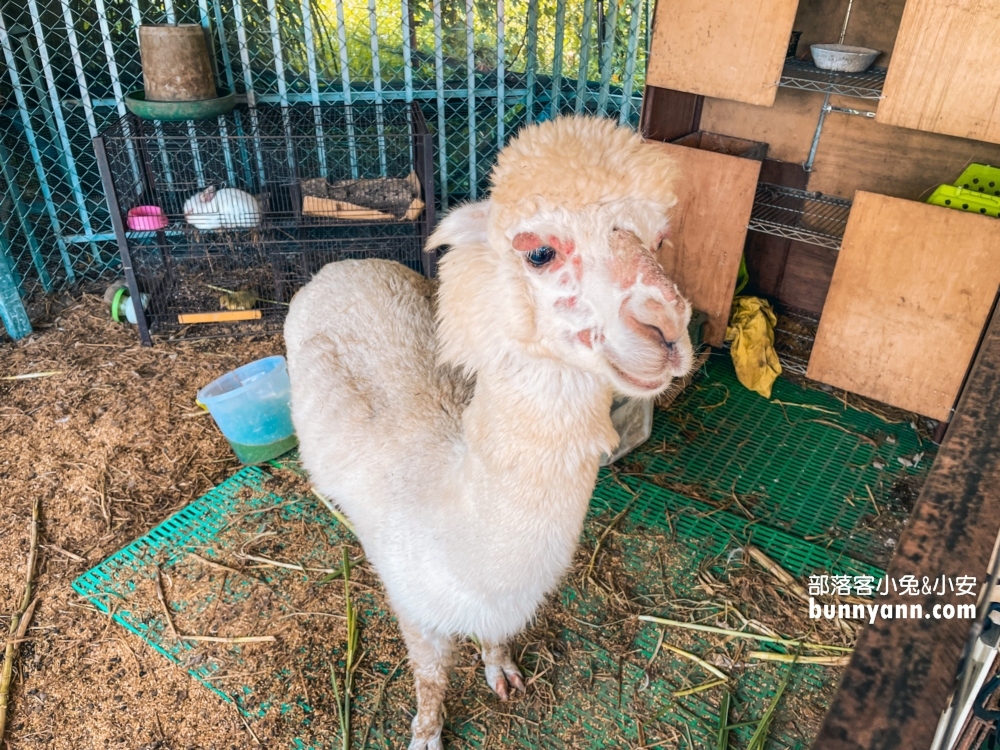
{"type": "Point", "coordinates": [800, 74]}
{"type": "Point", "coordinates": [305, 186]}
{"type": "Point", "coordinates": [800, 215]}
{"type": "Point", "coordinates": [479, 69]}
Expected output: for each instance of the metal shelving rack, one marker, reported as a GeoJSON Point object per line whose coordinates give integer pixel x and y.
{"type": "Point", "coordinates": [800, 215]}
{"type": "Point", "coordinates": [802, 75]}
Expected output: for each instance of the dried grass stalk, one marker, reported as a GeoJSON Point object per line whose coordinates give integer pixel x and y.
{"type": "Point", "coordinates": [783, 576]}
{"type": "Point", "coordinates": [743, 634]}
{"type": "Point", "coordinates": [20, 619]}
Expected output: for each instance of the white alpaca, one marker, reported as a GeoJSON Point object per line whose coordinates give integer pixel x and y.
{"type": "Point", "coordinates": [465, 450]}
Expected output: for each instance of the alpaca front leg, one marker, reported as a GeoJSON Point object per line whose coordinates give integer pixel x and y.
{"type": "Point", "coordinates": [430, 660]}
{"type": "Point", "coordinates": [502, 673]}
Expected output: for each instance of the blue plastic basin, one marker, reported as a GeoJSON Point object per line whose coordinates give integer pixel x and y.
{"type": "Point", "coordinates": [252, 407]}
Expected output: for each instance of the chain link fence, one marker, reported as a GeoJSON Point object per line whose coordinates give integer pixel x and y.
{"type": "Point", "coordinates": [479, 70]}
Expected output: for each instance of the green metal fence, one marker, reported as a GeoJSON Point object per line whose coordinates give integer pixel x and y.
{"type": "Point", "coordinates": [479, 68]}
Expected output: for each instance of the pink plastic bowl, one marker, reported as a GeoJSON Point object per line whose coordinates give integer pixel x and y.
{"type": "Point", "coordinates": [146, 218]}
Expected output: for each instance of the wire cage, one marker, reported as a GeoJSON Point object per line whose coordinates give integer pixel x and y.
{"type": "Point", "coordinates": [219, 222]}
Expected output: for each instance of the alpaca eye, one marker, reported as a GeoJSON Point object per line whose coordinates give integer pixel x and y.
{"type": "Point", "coordinates": [540, 256]}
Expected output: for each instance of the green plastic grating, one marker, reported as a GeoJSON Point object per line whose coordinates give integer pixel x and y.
{"type": "Point", "coordinates": [804, 466]}
{"type": "Point", "coordinates": [705, 445]}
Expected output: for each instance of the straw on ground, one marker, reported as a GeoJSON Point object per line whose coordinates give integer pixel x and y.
{"type": "Point", "coordinates": [20, 619]}
{"type": "Point", "coordinates": [743, 634]}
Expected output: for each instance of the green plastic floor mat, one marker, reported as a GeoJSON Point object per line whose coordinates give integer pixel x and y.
{"type": "Point", "coordinates": [702, 487]}
{"type": "Point", "coordinates": [801, 463]}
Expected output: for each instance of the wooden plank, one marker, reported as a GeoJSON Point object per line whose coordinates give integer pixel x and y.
{"type": "Point", "coordinates": [715, 196]}
{"type": "Point", "coordinates": [857, 153]}
{"type": "Point", "coordinates": [806, 279]}
{"type": "Point", "coordinates": [668, 114]}
{"type": "Point", "coordinates": [720, 48]}
{"type": "Point", "coordinates": [941, 78]}
{"type": "Point", "coordinates": [218, 317]}
{"type": "Point", "coordinates": [902, 671]}
{"type": "Point", "coordinates": [910, 294]}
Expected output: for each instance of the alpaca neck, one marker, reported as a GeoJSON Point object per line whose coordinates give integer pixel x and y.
{"type": "Point", "coordinates": [535, 431]}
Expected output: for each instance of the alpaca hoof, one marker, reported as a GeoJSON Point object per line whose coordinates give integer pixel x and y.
{"type": "Point", "coordinates": [434, 743]}
{"type": "Point", "coordinates": [426, 733]}
{"type": "Point", "coordinates": [502, 679]}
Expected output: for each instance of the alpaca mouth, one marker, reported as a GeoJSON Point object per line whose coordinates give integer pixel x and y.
{"type": "Point", "coordinates": [645, 385]}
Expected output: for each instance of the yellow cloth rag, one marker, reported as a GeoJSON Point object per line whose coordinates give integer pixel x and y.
{"type": "Point", "coordinates": [751, 331]}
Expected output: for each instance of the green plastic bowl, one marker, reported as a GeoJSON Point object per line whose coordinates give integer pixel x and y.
{"type": "Point", "coordinates": [203, 109]}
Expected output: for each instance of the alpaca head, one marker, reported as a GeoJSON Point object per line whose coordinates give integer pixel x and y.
{"type": "Point", "coordinates": [561, 262]}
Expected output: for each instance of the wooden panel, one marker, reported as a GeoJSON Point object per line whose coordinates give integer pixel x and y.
{"type": "Point", "coordinates": [715, 196]}
{"type": "Point", "coordinates": [910, 294]}
{"type": "Point", "coordinates": [667, 114]}
{"type": "Point", "coordinates": [720, 48]}
{"type": "Point", "coordinates": [942, 78]}
{"type": "Point", "coordinates": [856, 153]}
{"type": "Point", "coordinates": [787, 127]}
{"type": "Point", "coordinates": [902, 671]}
{"type": "Point", "coordinates": [806, 279]}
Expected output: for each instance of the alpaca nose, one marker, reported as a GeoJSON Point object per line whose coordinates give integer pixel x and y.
{"type": "Point", "coordinates": [654, 322]}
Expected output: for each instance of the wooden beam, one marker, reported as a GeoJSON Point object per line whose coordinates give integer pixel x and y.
{"type": "Point", "coordinates": [902, 671]}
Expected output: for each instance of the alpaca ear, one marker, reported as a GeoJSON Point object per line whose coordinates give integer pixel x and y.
{"type": "Point", "coordinates": [465, 225]}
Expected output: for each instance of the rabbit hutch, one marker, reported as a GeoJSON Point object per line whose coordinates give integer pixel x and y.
{"type": "Point", "coordinates": [863, 203]}
{"type": "Point", "coordinates": [219, 222]}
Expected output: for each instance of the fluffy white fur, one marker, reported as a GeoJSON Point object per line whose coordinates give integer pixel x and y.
{"type": "Point", "coordinates": [463, 442]}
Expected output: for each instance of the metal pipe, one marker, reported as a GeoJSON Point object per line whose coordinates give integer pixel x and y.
{"type": "Point", "coordinates": [630, 57]}
{"type": "Point", "coordinates": [377, 86]}
{"type": "Point", "coordinates": [439, 85]}
{"type": "Point", "coordinates": [470, 64]}
{"type": "Point", "coordinates": [532, 62]}
{"type": "Point", "coordinates": [846, 111]}
{"type": "Point", "coordinates": [824, 111]}
{"type": "Point", "coordinates": [74, 178]}
{"type": "Point", "coordinates": [581, 78]}
{"type": "Point", "coordinates": [244, 50]}
{"type": "Point", "coordinates": [847, 18]}
{"type": "Point", "coordinates": [557, 61]}
{"type": "Point", "coordinates": [610, 27]}
{"type": "Point", "coordinates": [12, 312]}
{"type": "Point", "coordinates": [116, 86]}
{"type": "Point", "coordinates": [819, 131]}
{"type": "Point", "coordinates": [36, 156]}
{"type": "Point", "coordinates": [15, 192]}
{"type": "Point", "coordinates": [501, 76]}
{"type": "Point", "coordinates": [307, 32]}
{"type": "Point", "coordinates": [345, 80]}
{"type": "Point", "coordinates": [279, 72]}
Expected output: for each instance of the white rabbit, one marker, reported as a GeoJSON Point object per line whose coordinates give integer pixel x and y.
{"type": "Point", "coordinates": [227, 208]}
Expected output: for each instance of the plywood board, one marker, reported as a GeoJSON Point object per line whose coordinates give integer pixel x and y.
{"type": "Point", "coordinates": [720, 48]}
{"type": "Point", "coordinates": [787, 127]}
{"type": "Point", "coordinates": [855, 153]}
{"type": "Point", "coordinates": [942, 76]}
{"type": "Point", "coordinates": [911, 291]}
{"type": "Point", "coordinates": [715, 196]}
